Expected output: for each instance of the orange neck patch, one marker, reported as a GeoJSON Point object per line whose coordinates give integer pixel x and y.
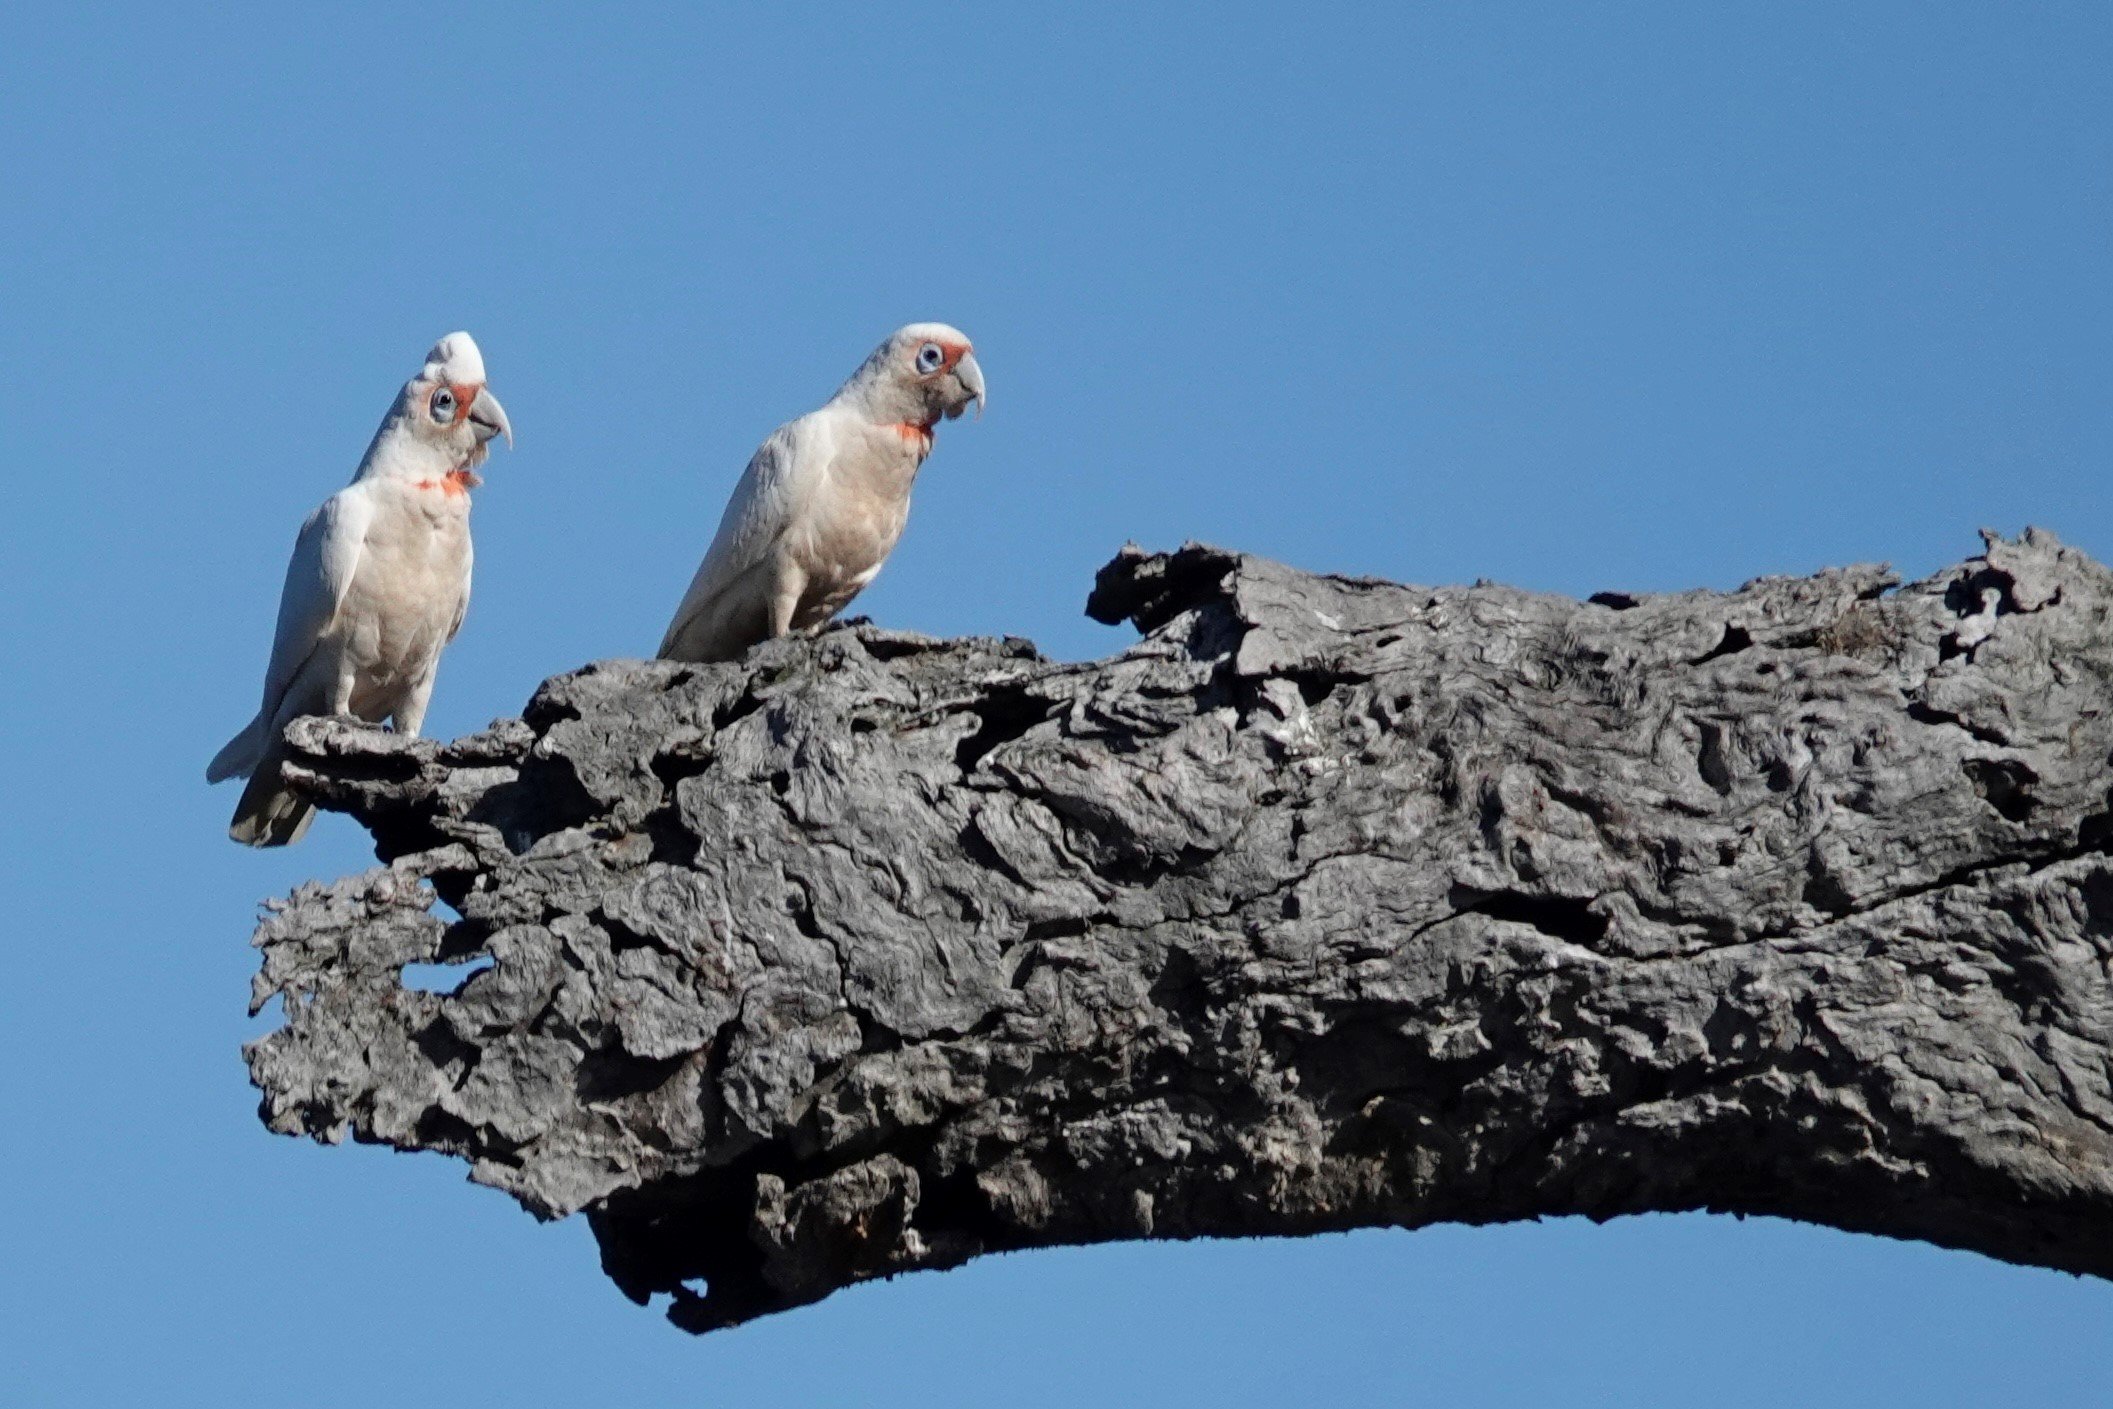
{"type": "Point", "coordinates": [916, 433]}
{"type": "Point", "coordinates": [454, 482]}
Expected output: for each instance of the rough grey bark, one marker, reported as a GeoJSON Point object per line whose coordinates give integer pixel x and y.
{"type": "Point", "coordinates": [1330, 903]}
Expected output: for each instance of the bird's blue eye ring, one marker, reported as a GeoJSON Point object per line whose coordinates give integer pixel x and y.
{"type": "Point", "coordinates": [930, 356]}
{"type": "Point", "coordinates": [442, 405]}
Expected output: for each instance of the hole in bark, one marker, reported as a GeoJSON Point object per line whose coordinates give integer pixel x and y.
{"type": "Point", "coordinates": [1143, 868]}
{"type": "Point", "coordinates": [735, 709]}
{"type": "Point", "coordinates": [1922, 713]}
{"type": "Point", "coordinates": [622, 936]}
{"type": "Point", "coordinates": [895, 647]}
{"type": "Point", "coordinates": [1063, 927]}
{"type": "Point", "coordinates": [1489, 809]}
{"type": "Point", "coordinates": [2004, 784]}
{"type": "Point", "coordinates": [2096, 890]}
{"type": "Point", "coordinates": [450, 911]}
{"type": "Point", "coordinates": [1562, 916]}
{"type": "Point", "coordinates": [1616, 601]}
{"type": "Point", "coordinates": [443, 1050]}
{"type": "Point", "coordinates": [450, 1134]}
{"type": "Point", "coordinates": [444, 979]}
{"type": "Point", "coordinates": [1824, 891]}
{"type": "Point", "coordinates": [1713, 757]}
{"type": "Point", "coordinates": [874, 1037]}
{"type": "Point", "coordinates": [670, 842]}
{"type": "Point", "coordinates": [1735, 639]}
{"type": "Point", "coordinates": [1006, 713]}
{"type": "Point", "coordinates": [800, 905]}
{"type": "Point", "coordinates": [1180, 987]}
{"type": "Point", "coordinates": [2096, 831]}
{"type": "Point", "coordinates": [545, 709]}
{"type": "Point", "coordinates": [673, 765]}
{"type": "Point", "coordinates": [781, 782]}
{"type": "Point", "coordinates": [955, 1204]}
{"type": "Point", "coordinates": [1962, 596]}
{"type": "Point", "coordinates": [547, 797]}
{"type": "Point", "coordinates": [611, 1073]}
{"type": "Point", "coordinates": [1314, 688]}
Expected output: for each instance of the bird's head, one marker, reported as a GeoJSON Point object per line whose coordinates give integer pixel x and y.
{"type": "Point", "coordinates": [922, 373]}
{"type": "Point", "coordinates": [444, 419]}
{"type": "Point", "coordinates": [448, 407]}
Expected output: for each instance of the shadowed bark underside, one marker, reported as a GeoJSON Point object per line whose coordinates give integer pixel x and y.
{"type": "Point", "coordinates": [1330, 903]}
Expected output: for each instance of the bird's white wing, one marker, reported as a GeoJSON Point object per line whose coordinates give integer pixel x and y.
{"type": "Point", "coordinates": [325, 557]}
{"type": "Point", "coordinates": [767, 501]}
{"type": "Point", "coordinates": [462, 608]}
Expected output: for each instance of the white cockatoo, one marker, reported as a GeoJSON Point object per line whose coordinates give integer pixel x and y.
{"type": "Point", "coordinates": [379, 581]}
{"type": "Point", "coordinates": [823, 502]}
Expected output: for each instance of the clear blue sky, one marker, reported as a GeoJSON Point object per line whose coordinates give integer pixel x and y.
{"type": "Point", "coordinates": [1578, 297]}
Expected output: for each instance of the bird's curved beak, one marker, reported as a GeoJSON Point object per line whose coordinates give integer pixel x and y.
{"type": "Point", "coordinates": [488, 418]}
{"type": "Point", "coordinates": [971, 377]}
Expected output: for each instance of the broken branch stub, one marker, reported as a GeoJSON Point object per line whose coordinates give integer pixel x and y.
{"type": "Point", "coordinates": [1330, 903]}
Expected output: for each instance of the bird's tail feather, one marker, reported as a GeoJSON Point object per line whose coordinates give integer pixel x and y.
{"type": "Point", "coordinates": [270, 814]}
{"type": "Point", "coordinates": [238, 756]}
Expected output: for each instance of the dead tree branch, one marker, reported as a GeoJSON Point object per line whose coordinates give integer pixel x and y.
{"type": "Point", "coordinates": [1330, 903]}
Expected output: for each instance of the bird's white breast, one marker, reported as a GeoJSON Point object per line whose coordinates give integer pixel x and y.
{"type": "Point", "coordinates": [853, 516]}
{"type": "Point", "coordinates": [411, 585]}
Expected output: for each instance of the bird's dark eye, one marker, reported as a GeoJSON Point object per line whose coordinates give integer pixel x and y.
{"type": "Point", "coordinates": [443, 405]}
{"type": "Point", "coordinates": [930, 356]}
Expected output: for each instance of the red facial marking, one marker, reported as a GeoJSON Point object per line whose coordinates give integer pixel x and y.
{"type": "Point", "coordinates": [464, 393]}
{"type": "Point", "coordinates": [949, 353]}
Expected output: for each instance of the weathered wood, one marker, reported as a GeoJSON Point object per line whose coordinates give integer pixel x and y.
{"type": "Point", "coordinates": [1330, 903]}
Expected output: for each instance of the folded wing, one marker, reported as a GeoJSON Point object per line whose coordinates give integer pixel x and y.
{"type": "Point", "coordinates": [726, 609]}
